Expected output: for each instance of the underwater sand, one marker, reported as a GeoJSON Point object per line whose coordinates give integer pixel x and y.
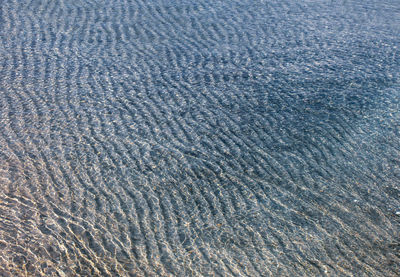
{"type": "Point", "coordinates": [199, 138]}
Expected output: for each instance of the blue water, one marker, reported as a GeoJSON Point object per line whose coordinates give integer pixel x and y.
{"type": "Point", "coordinates": [199, 138]}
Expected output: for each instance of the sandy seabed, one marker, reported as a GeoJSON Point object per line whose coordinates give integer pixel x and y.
{"type": "Point", "coordinates": [199, 138]}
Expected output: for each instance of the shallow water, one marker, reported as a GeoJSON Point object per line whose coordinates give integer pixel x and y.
{"type": "Point", "coordinates": [199, 138]}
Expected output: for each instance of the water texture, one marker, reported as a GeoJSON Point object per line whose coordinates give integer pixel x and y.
{"type": "Point", "coordinates": [199, 138]}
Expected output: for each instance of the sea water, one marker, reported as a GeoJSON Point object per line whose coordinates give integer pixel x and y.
{"type": "Point", "coordinates": [199, 138]}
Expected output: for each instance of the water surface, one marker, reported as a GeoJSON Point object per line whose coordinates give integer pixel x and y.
{"type": "Point", "coordinates": [199, 138]}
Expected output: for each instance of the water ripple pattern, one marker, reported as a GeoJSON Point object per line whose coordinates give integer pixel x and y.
{"type": "Point", "coordinates": [199, 138]}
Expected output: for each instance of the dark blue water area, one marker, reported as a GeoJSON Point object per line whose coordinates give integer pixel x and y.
{"type": "Point", "coordinates": [199, 138]}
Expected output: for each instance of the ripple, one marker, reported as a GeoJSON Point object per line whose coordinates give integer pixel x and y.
{"type": "Point", "coordinates": [231, 138]}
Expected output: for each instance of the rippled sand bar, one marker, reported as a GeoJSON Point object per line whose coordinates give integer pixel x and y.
{"type": "Point", "coordinates": [199, 138]}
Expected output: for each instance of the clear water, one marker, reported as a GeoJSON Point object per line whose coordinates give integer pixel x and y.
{"type": "Point", "coordinates": [199, 138]}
